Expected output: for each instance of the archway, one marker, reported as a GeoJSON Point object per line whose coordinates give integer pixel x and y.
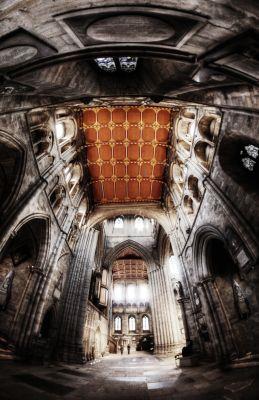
{"type": "Point", "coordinates": [231, 293]}
{"type": "Point", "coordinates": [220, 296]}
{"type": "Point", "coordinates": [20, 267]}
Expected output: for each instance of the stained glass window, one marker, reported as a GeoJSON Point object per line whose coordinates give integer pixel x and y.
{"type": "Point", "coordinates": [106, 64]}
{"type": "Point", "coordinates": [249, 157]}
{"type": "Point", "coordinates": [112, 64]}
{"type": "Point", "coordinates": [128, 64]}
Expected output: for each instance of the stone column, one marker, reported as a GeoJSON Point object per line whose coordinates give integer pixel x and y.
{"type": "Point", "coordinates": [155, 310]}
{"type": "Point", "coordinates": [75, 297]}
{"type": "Point", "coordinates": [223, 337]}
{"type": "Point", "coordinates": [161, 313]}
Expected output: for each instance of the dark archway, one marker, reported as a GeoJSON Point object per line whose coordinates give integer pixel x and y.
{"type": "Point", "coordinates": [21, 257]}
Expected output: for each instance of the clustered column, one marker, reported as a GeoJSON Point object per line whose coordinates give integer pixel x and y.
{"type": "Point", "coordinates": [75, 299]}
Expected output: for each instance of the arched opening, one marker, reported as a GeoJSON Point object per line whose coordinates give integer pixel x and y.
{"type": "Point", "coordinates": [73, 175]}
{"type": "Point", "coordinates": [21, 257]}
{"type": "Point", "coordinates": [66, 131]}
{"type": "Point", "coordinates": [233, 306]}
{"type": "Point", "coordinates": [145, 323]}
{"type": "Point", "coordinates": [132, 324]}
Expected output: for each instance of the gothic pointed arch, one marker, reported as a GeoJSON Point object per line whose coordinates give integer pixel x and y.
{"type": "Point", "coordinates": [131, 245]}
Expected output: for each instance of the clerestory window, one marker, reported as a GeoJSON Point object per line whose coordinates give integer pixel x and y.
{"type": "Point", "coordinates": [113, 64]}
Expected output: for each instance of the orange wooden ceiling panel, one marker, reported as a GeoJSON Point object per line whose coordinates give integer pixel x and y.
{"type": "Point", "coordinates": [126, 152]}
{"type": "Point", "coordinates": [129, 269]}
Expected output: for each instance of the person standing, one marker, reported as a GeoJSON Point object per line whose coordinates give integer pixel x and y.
{"type": "Point", "coordinates": [128, 347]}
{"type": "Point", "coordinates": [121, 349]}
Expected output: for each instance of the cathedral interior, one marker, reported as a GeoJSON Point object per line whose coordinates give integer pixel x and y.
{"type": "Point", "coordinates": [129, 214]}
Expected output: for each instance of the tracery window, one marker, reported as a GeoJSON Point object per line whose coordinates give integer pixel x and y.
{"type": "Point", "coordinates": [113, 64]}
{"type": "Point", "coordinates": [117, 324]}
{"type": "Point", "coordinates": [249, 155]}
{"type": "Point", "coordinates": [145, 323]}
{"type": "Point", "coordinates": [132, 324]}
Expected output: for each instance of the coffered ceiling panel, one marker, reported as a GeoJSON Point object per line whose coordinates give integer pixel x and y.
{"type": "Point", "coordinates": [129, 269]}
{"type": "Point", "coordinates": [126, 152]}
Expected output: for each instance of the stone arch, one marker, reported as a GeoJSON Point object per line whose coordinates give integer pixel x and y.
{"type": "Point", "coordinates": [12, 166]}
{"type": "Point", "coordinates": [138, 248]}
{"type": "Point", "coordinates": [200, 242]}
{"type": "Point", "coordinates": [152, 212]}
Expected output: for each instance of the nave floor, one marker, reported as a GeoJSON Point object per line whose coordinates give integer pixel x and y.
{"type": "Point", "coordinates": [138, 376]}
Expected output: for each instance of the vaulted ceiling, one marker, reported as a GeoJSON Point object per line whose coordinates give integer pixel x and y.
{"type": "Point", "coordinates": [127, 152]}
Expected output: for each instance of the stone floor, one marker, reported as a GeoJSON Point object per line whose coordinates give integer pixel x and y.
{"type": "Point", "coordinates": [138, 376]}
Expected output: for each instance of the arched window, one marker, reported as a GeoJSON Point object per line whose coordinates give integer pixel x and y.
{"type": "Point", "coordinates": [117, 324]}
{"type": "Point", "coordinates": [132, 324]}
{"type": "Point", "coordinates": [118, 224]}
{"type": "Point", "coordinates": [145, 323]}
{"type": "Point", "coordinates": [139, 224]}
